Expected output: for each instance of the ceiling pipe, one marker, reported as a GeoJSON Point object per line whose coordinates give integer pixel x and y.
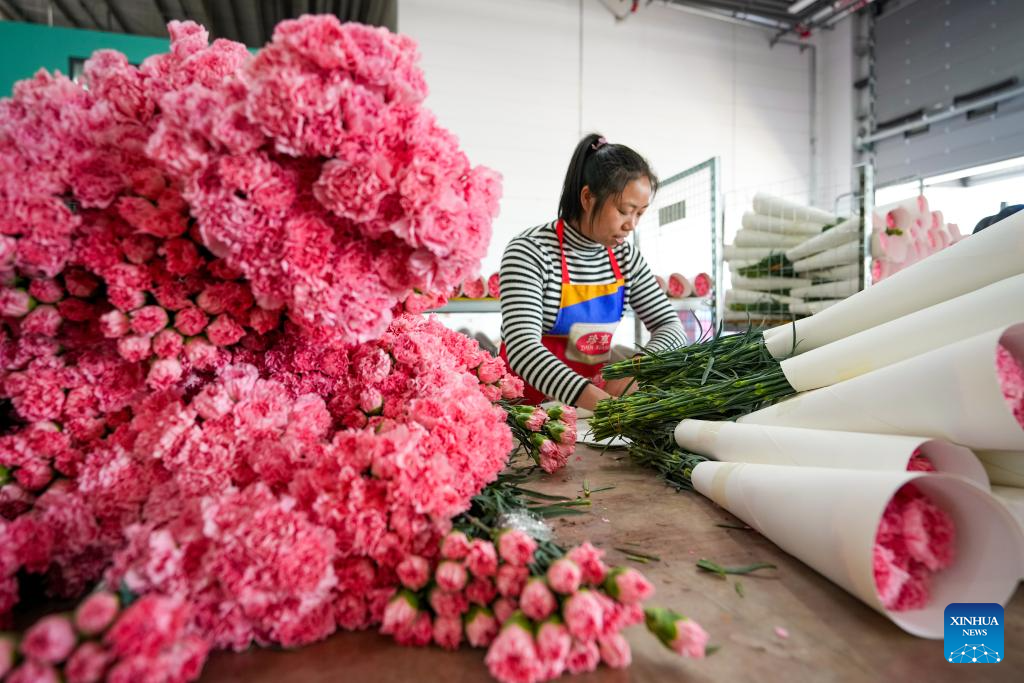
{"type": "Point", "coordinates": [742, 19]}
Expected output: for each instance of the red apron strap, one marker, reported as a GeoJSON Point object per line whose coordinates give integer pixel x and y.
{"type": "Point", "coordinates": [615, 264]}
{"type": "Point", "coordinates": [560, 229]}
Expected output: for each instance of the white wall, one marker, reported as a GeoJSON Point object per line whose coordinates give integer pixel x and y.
{"type": "Point", "coordinates": [679, 88]}
{"type": "Point", "coordinates": [836, 126]}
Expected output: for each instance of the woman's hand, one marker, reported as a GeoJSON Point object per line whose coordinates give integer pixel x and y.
{"type": "Point", "coordinates": [590, 396]}
{"type": "Point", "coordinates": [621, 387]}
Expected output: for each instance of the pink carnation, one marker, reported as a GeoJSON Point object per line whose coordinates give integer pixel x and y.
{"type": "Point", "coordinates": [96, 613]}
{"type": "Point", "coordinates": [419, 633]}
{"type": "Point", "coordinates": [14, 303]}
{"type": "Point", "coordinates": [491, 370]}
{"type": "Point", "coordinates": [114, 324]}
{"type": "Point", "coordinates": [511, 579]}
{"type": "Point", "coordinates": [148, 320]}
{"type": "Point", "coordinates": [448, 632]}
{"type": "Point", "coordinates": [190, 321]}
{"type": "Point", "coordinates": [512, 657]}
{"type": "Point", "coordinates": [516, 547]}
{"type": "Point", "coordinates": [481, 626]}
{"type": "Point", "coordinates": [691, 639]}
{"type": "Point", "coordinates": [32, 671]}
{"type": "Point", "coordinates": [448, 603]}
{"type": "Point", "coordinates": [455, 546]}
{"type": "Point", "coordinates": [615, 651]}
{"type": "Point", "coordinates": [88, 663]}
{"type": "Point", "coordinates": [1011, 380]}
{"type": "Point", "coordinates": [553, 646]}
{"type": "Point", "coordinates": [50, 640]}
{"type": "Point", "coordinates": [564, 576]}
{"type": "Point", "coordinates": [583, 616]}
{"type": "Point", "coordinates": [451, 575]}
{"type": "Point", "coordinates": [628, 586]}
{"type": "Point", "coordinates": [168, 344]}
{"type": "Point", "coordinates": [482, 559]}
{"type": "Point", "coordinates": [504, 608]}
{"type": "Point", "coordinates": [890, 578]}
{"type": "Point", "coordinates": [224, 331]}
{"type": "Point", "coordinates": [588, 558]}
{"type": "Point", "coordinates": [584, 657]}
{"type": "Point", "coordinates": [43, 320]}
{"type": "Point", "coordinates": [536, 600]}
{"type": "Point", "coordinates": [164, 374]}
{"type": "Point", "coordinates": [929, 533]}
{"type": "Point", "coordinates": [414, 572]}
{"type": "Point", "coordinates": [134, 348]}
{"type": "Point", "coordinates": [920, 463]}
{"type": "Point", "coordinates": [46, 290]}
{"type": "Point", "coordinates": [400, 613]}
{"type": "Point", "coordinates": [481, 592]}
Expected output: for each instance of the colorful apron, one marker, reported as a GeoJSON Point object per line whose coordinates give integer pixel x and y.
{"type": "Point", "coordinates": [581, 336]}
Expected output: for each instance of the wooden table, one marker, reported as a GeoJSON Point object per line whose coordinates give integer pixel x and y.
{"type": "Point", "coordinates": [832, 636]}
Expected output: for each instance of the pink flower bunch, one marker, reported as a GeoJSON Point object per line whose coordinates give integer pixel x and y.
{"type": "Point", "coordinates": [549, 436]}
{"type": "Point", "coordinates": [314, 170]}
{"type": "Point", "coordinates": [148, 640]}
{"type": "Point", "coordinates": [473, 288]}
{"type": "Point", "coordinates": [919, 462]}
{"type": "Point", "coordinates": [1011, 381]}
{"type": "Point", "coordinates": [915, 539]}
{"type": "Point", "coordinates": [536, 623]}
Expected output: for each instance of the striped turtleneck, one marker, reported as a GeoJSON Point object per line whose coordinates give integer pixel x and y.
{"type": "Point", "coordinates": [531, 289]}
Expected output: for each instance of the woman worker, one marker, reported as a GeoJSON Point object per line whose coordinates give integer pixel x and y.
{"type": "Point", "coordinates": [564, 284]}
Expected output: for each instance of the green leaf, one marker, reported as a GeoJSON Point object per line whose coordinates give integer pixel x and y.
{"type": "Point", "coordinates": [739, 588]}
{"type": "Point", "coordinates": [637, 553]}
{"type": "Point", "coordinates": [711, 649]}
{"type": "Point", "coordinates": [714, 567]}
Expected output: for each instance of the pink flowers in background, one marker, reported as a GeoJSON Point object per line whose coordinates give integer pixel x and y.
{"type": "Point", "coordinates": [474, 288]}
{"type": "Point", "coordinates": [915, 539]}
{"type": "Point", "coordinates": [920, 463]}
{"type": "Point", "coordinates": [678, 286]}
{"type": "Point", "coordinates": [1011, 381]}
{"type": "Point", "coordinates": [544, 624]}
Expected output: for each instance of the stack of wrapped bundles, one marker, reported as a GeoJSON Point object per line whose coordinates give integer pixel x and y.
{"type": "Point", "coordinates": [790, 260]}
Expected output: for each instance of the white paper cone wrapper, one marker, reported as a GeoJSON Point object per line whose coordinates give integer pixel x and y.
{"type": "Point", "coordinates": [746, 296]}
{"type": "Point", "coordinates": [832, 290]}
{"type": "Point", "coordinates": [837, 256]}
{"type": "Point", "coordinates": [812, 307]}
{"type": "Point", "coordinates": [1005, 468]}
{"type": "Point", "coordinates": [753, 221]}
{"type": "Point", "coordinates": [736, 264]}
{"type": "Point", "coordinates": [733, 253]}
{"type": "Point", "coordinates": [679, 286]}
{"type": "Point", "coordinates": [768, 445]}
{"type": "Point", "coordinates": [851, 270]}
{"type": "Point", "coordinates": [828, 518]}
{"type": "Point", "coordinates": [895, 248]}
{"type": "Point", "coordinates": [769, 205]}
{"type": "Point", "coordinates": [996, 305]}
{"type": "Point", "coordinates": [847, 231]}
{"type": "Point", "coordinates": [994, 254]}
{"type": "Point", "coordinates": [744, 316]}
{"type": "Point", "coordinates": [769, 284]}
{"type": "Point", "coordinates": [950, 393]}
{"type": "Point", "coordinates": [1013, 500]}
{"type": "Point", "coordinates": [757, 238]}
{"type": "Point", "coordinates": [914, 207]}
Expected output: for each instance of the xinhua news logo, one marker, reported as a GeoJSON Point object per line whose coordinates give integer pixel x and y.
{"type": "Point", "coordinates": [974, 633]}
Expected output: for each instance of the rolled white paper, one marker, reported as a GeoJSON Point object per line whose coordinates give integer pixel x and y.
{"type": "Point", "coordinates": [837, 256]}
{"type": "Point", "coordinates": [847, 231]}
{"type": "Point", "coordinates": [950, 393]}
{"type": "Point", "coordinates": [769, 205]}
{"type": "Point", "coordinates": [906, 212]}
{"type": "Point", "coordinates": [1005, 468]}
{"type": "Point", "coordinates": [828, 519]}
{"type": "Point", "coordinates": [743, 316]}
{"type": "Point", "coordinates": [1013, 500]}
{"type": "Point", "coordinates": [770, 445]}
{"type": "Point", "coordinates": [753, 221]}
{"type": "Point", "coordinates": [769, 284]}
{"type": "Point", "coordinates": [812, 307]}
{"type": "Point", "coordinates": [747, 296]}
{"type": "Point", "coordinates": [732, 253]}
{"type": "Point", "coordinates": [757, 238]}
{"type": "Point", "coordinates": [829, 290]}
{"type": "Point", "coordinates": [896, 248]}
{"type": "Point", "coordinates": [994, 254]}
{"type": "Point", "coordinates": [850, 270]}
{"type": "Point", "coordinates": [996, 305]}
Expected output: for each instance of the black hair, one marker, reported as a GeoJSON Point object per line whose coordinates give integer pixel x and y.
{"type": "Point", "coordinates": [606, 169]}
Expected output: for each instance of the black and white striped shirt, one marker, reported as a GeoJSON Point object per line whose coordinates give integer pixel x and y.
{"type": "Point", "coordinates": [531, 288]}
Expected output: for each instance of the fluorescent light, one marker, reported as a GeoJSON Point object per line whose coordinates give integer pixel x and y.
{"type": "Point", "coordinates": [975, 171]}
{"type": "Point", "coordinates": [800, 6]}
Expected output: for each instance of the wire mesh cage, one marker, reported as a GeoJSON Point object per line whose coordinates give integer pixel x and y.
{"type": "Point", "coordinates": [785, 259]}
{"type": "Point", "coordinates": [678, 237]}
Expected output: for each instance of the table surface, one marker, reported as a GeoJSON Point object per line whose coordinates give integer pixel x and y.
{"type": "Point", "coordinates": [832, 636]}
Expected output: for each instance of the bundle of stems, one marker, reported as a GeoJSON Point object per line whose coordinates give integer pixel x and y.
{"type": "Point", "coordinates": [774, 265]}
{"type": "Point", "coordinates": [672, 464]}
{"type": "Point", "coordinates": [656, 410]}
